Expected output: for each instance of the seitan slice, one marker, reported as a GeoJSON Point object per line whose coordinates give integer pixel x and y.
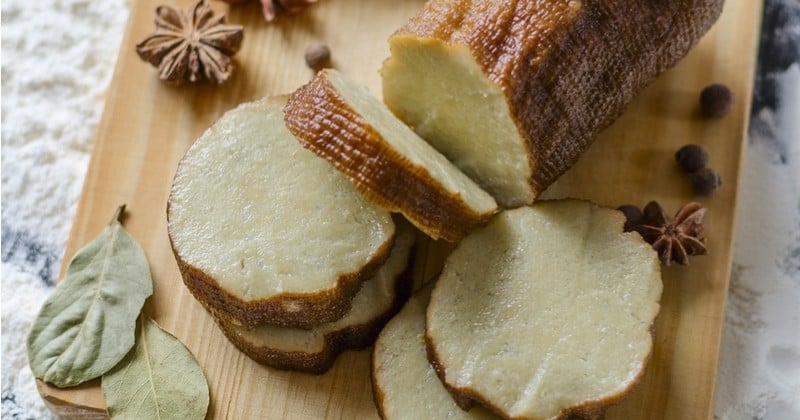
{"type": "Point", "coordinates": [545, 313]}
{"type": "Point", "coordinates": [265, 231]}
{"type": "Point", "coordinates": [404, 384]}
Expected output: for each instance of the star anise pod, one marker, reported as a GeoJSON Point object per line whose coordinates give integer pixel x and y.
{"type": "Point", "coordinates": [674, 240]}
{"type": "Point", "coordinates": [271, 8]}
{"type": "Point", "coordinates": [191, 45]}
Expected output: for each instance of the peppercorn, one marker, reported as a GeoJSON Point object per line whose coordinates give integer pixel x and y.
{"type": "Point", "coordinates": [716, 100]}
{"type": "Point", "coordinates": [705, 181]}
{"type": "Point", "coordinates": [691, 158]}
{"type": "Point", "coordinates": [317, 56]}
{"type": "Point", "coordinates": [633, 216]}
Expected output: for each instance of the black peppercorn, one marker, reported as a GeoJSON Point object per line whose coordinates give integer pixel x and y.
{"type": "Point", "coordinates": [705, 181]}
{"type": "Point", "coordinates": [691, 158]}
{"type": "Point", "coordinates": [317, 56]}
{"type": "Point", "coordinates": [633, 216]}
{"type": "Point", "coordinates": [716, 100]}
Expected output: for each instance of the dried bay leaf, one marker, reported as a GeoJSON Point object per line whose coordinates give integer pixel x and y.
{"type": "Point", "coordinates": [88, 323]}
{"type": "Point", "coordinates": [159, 379]}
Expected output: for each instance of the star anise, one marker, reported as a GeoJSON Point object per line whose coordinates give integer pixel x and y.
{"type": "Point", "coordinates": [674, 240]}
{"type": "Point", "coordinates": [271, 8]}
{"type": "Point", "coordinates": [191, 45]}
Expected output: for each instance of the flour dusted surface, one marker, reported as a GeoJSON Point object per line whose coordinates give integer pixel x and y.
{"type": "Point", "coordinates": [57, 61]}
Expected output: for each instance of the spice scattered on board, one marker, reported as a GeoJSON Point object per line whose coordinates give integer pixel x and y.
{"type": "Point", "coordinates": [716, 100]}
{"type": "Point", "coordinates": [317, 56]}
{"type": "Point", "coordinates": [705, 181]}
{"type": "Point", "coordinates": [633, 216]}
{"type": "Point", "coordinates": [271, 8]}
{"type": "Point", "coordinates": [693, 159]}
{"type": "Point", "coordinates": [86, 326]}
{"type": "Point", "coordinates": [161, 364]}
{"type": "Point", "coordinates": [191, 45]}
{"type": "Point", "coordinates": [674, 239]}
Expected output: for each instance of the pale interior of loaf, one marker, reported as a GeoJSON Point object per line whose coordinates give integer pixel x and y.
{"type": "Point", "coordinates": [375, 298]}
{"type": "Point", "coordinates": [407, 383]}
{"type": "Point", "coordinates": [262, 216]}
{"type": "Point", "coordinates": [548, 307]}
{"type": "Point", "coordinates": [403, 140]}
{"type": "Point", "coordinates": [441, 92]}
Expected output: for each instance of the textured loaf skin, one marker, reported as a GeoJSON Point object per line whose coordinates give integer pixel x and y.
{"type": "Point", "coordinates": [324, 123]}
{"type": "Point", "coordinates": [568, 68]}
{"type": "Point", "coordinates": [298, 310]}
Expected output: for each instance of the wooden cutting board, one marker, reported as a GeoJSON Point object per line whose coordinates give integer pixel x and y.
{"type": "Point", "coordinates": [147, 126]}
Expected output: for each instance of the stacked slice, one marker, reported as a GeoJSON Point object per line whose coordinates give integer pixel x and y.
{"type": "Point", "coordinates": [316, 349]}
{"type": "Point", "coordinates": [272, 239]}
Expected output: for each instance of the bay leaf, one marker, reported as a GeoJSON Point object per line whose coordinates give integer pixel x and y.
{"type": "Point", "coordinates": [159, 379]}
{"type": "Point", "coordinates": [88, 323]}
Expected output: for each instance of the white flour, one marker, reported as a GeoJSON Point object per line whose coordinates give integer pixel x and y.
{"type": "Point", "coordinates": [57, 60]}
{"type": "Point", "coordinates": [759, 375]}
{"type": "Point", "coordinates": [23, 294]}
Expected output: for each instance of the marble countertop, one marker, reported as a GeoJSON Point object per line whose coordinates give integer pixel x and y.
{"type": "Point", "coordinates": [57, 60]}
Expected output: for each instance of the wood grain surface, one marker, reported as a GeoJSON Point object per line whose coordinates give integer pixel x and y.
{"type": "Point", "coordinates": [148, 125]}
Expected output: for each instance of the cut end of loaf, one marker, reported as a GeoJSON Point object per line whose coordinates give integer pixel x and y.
{"type": "Point", "coordinates": [340, 121]}
{"type": "Point", "coordinates": [441, 92]}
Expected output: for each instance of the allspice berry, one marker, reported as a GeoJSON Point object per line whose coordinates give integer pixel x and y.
{"type": "Point", "coordinates": [633, 216]}
{"type": "Point", "coordinates": [716, 100]}
{"type": "Point", "coordinates": [318, 56]}
{"type": "Point", "coordinates": [691, 158]}
{"type": "Point", "coordinates": [705, 181]}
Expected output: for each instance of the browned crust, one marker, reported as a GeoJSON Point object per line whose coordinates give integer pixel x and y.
{"type": "Point", "coordinates": [378, 396]}
{"type": "Point", "coordinates": [297, 310]}
{"type": "Point", "coordinates": [567, 72]}
{"type": "Point", "coordinates": [349, 338]}
{"type": "Point", "coordinates": [325, 124]}
{"type": "Point", "coordinates": [466, 397]}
